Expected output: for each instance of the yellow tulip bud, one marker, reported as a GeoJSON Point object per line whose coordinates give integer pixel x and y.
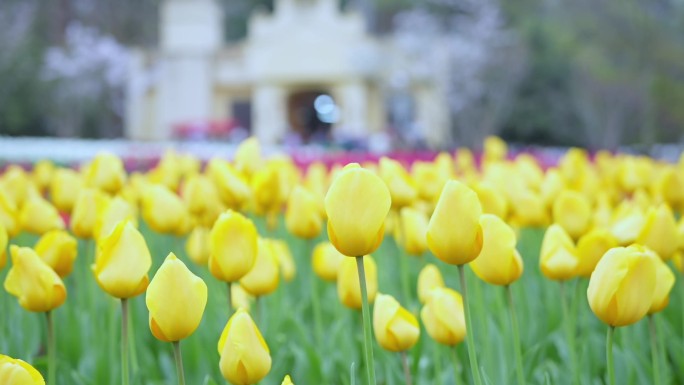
{"type": "Point", "coordinates": [106, 173]}
{"type": "Point", "coordinates": [303, 218]}
{"type": "Point", "coordinates": [454, 234]}
{"type": "Point", "coordinates": [635, 172]}
{"type": "Point", "coordinates": [9, 217]}
{"type": "Point", "coordinates": [670, 186]}
{"type": "Point", "coordinates": [591, 247]}
{"type": "Point", "coordinates": [264, 276]}
{"type": "Point", "coordinates": [495, 149]}
{"type": "Point", "coordinates": [428, 180]}
{"type": "Point", "coordinates": [122, 262]}
{"type": "Point", "coordinates": [248, 156]}
{"type": "Point", "coordinates": [499, 263]}
{"type": "Point", "coordinates": [551, 186]}
{"type": "Point", "coordinates": [396, 329]}
{"type": "Point", "coordinates": [16, 184]}
{"type": "Point", "coordinates": [528, 207]}
{"type": "Point", "coordinates": [164, 211]}
{"type": "Point", "coordinates": [245, 357]}
{"type": "Point", "coordinates": [628, 220]}
{"type": "Point", "coordinates": [176, 299]}
{"type": "Point", "coordinates": [413, 227]}
{"type": "Point", "coordinates": [197, 245]}
{"type": "Point", "coordinates": [286, 262]}
{"type": "Point", "coordinates": [429, 278]}
{"type": "Point", "coordinates": [443, 316]}
{"type": "Point", "coordinates": [64, 189]}
{"type": "Point", "coordinates": [316, 180]}
{"type": "Point", "coordinates": [239, 298]}
{"type": "Point", "coordinates": [622, 286]}
{"type": "Point", "coordinates": [201, 198]}
{"type": "Point", "coordinates": [33, 282]}
{"type": "Point", "coordinates": [266, 188]}
{"type": "Point", "coordinates": [232, 187]}
{"type": "Point", "coordinates": [678, 260]}
{"type": "Point", "coordinates": [572, 211]}
{"type": "Point", "coordinates": [493, 201]}
{"type": "Point", "coordinates": [326, 261]}
{"type": "Point", "coordinates": [558, 259]}
{"type": "Point", "coordinates": [4, 238]}
{"type": "Point", "coordinates": [399, 183]}
{"type": "Point", "coordinates": [38, 216]}
{"type": "Point", "coordinates": [348, 286]}
{"type": "Point", "coordinates": [58, 249]}
{"type": "Point", "coordinates": [84, 213]}
{"type": "Point", "coordinates": [233, 247]}
{"type": "Point", "coordinates": [287, 381]}
{"type": "Point", "coordinates": [42, 174]}
{"type": "Point", "coordinates": [110, 212]}
{"type": "Point", "coordinates": [665, 280]}
{"type": "Point", "coordinates": [17, 372]}
{"type": "Point", "coordinates": [659, 231]}
{"type": "Point", "coordinates": [357, 203]}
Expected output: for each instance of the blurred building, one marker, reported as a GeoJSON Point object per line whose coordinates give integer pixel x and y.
{"type": "Point", "coordinates": [308, 68]}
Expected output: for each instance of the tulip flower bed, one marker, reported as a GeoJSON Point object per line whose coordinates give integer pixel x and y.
{"type": "Point", "coordinates": [303, 296]}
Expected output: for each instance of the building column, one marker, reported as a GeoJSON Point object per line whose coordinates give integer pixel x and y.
{"type": "Point", "coordinates": [269, 113]}
{"type": "Point", "coordinates": [432, 115]}
{"type": "Point", "coordinates": [354, 117]}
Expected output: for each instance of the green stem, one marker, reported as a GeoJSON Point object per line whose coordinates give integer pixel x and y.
{"type": "Point", "coordinates": [367, 332]}
{"type": "Point", "coordinates": [516, 337]}
{"type": "Point", "coordinates": [474, 367]}
{"type": "Point", "coordinates": [454, 362]}
{"type": "Point", "coordinates": [569, 324]}
{"type": "Point", "coordinates": [52, 362]}
{"type": "Point", "coordinates": [405, 275]}
{"type": "Point", "coordinates": [315, 298]}
{"type": "Point", "coordinates": [124, 342]}
{"type": "Point", "coordinates": [609, 355]}
{"type": "Point", "coordinates": [230, 300]}
{"type": "Point", "coordinates": [407, 372]}
{"type": "Point", "coordinates": [654, 350]}
{"type": "Point", "coordinates": [179, 362]}
{"type": "Point", "coordinates": [438, 364]}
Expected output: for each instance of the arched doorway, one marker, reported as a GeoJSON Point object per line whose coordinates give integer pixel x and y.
{"type": "Point", "coordinates": [311, 114]}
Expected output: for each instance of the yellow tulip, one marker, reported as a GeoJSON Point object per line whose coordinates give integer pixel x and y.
{"type": "Point", "coordinates": [176, 299]}
{"type": "Point", "coordinates": [659, 231]}
{"type": "Point", "coordinates": [58, 249]}
{"type": "Point", "coordinates": [492, 200]}
{"type": "Point", "coordinates": [245, 357]}
{"type": "Point", "coordinates": [499, 263]}
{"type": "Point", "coordinates": [528, 207]}
{"type": "Point", "coordinates": [122, 262]}
{"type": "Point", "coordinates": [348, 287]}
{"type": "Point", "coordinates": [110, 212]}
{"type": "Point", "coordinates": [106, 173]}
{"type": "Point", "coordinates": [38, 216]}
{"type": "Point", "coordinates": [232, 187]}
{"type": "Point", "coordinates": [42, 174]}
{"type": "Point", "coordinates": [239, 298]}
{"type": "Point", "coordinates": [572, 211]}
{"type": "Point", "coordinates": [396, 329]}
{"type": "Point", "coordinates": [551, 186]}
{"type": "Point", "coordinates": [454, 234]}
{"type": "Point", "coordinates": [326, 261]}
{"type": "Point", "coordinates": [622, 287]}
{"type": "Point", "coordinates": [167, 172]}
{"type": "Point", "coordinates": [495, 149]}
{"type": "Point", "coordinates": [635, 173]}
{"type": "Point", "coordinates": [412, 228]}
{"type": "Point", "coordinates": [64, 189]}
{"type": "Point", "coordinates": [464, 159]}
{"type": "Point", "coordinates": [4, 238]}
{"type": "Point", "coordinates": [16, 184]}
{"type": "Point", "coordinates": [33, 282]}
{"type": "Point", "coordinates": [591, 247]}
{"type": "Point", "coordinates": [164, 211]}
{"type": "Point", "coordinates": [357, 203]}
{"type": "Point", "coordinates": [401, 187]}
{"type": "Point", "coordinates": [429, 278]}
{"type": "Point", "coordinates": [528, 169]}
{"type": "Point", "coordinates": [84, 213]}
{"type": "Point", "coordinates": [202, 199]}
{"type": "Point", "coordinates": [287, 381]}
{"type": "Point", "coordinates": [665, 280]}
{"type": "Point", "coordinates": [558, 257]}
{"type": "Point", "coordinates": [264, 276]}
{"type": "Point", "coordinates": [197, 245]}
{"type": "Point", "coordinates": [428, 180]}
{"type": "Point", "coordinates": [302, 217]}
{"type": "Point", "coordinates": [17, 372]}
{"type": "Point", "coordinates": [233, 247]}
{"type": "Point", "coordinates": [248, 156]}
{"type": "Point", "coordinates": [627, 222]}
{"type": "Point", "coordinates": [316, 180]}
{"type": "Point", "coordinates": [9, 217]}
{"type": "Point", "coordinates": [443, 316]}
{"type": "Point", "coordinates": [286, 262]}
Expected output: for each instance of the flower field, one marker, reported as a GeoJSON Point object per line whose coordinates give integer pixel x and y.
{"type": "Point", "coordinates": [573, 271]}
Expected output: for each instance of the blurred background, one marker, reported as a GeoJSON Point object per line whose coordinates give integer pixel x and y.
{"type": "Point", "coordinates": [420, 74]}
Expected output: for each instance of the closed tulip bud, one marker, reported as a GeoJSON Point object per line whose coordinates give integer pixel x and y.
{"type": "Point", "coordinates": [528, 208]}
{"type": "Point", "coordinates": [395, 328]}
{"type": "Point", "coordinates": [635, 172]}
{"type": "Point", "coordinates": [9, 217]}
{"type": "Point", "coordinates": [551, 186]}
{"type": "Point", "coordinates": [239, 298]}
{"type": "Point", "coordinates": [122, 262]}
{"type": "Point", "coordinates": [428, 180]}
{"type": "Point", "coordinates": [628, 220]}
{"type": "Point", "coordinates": [665, 280]}
{"type": "Point", "coordinates": [495, 149]}
{"type": "Point", "coordinates": [493, 201]}
{"type": "Point", "coordinates": [16, 184]}
{"type": "Point", "coordinates": [58, 249]}
{"type": "Point", "coordinates": [232, 186]}
{"type": "Point", "coordinates": [454, 234]}
{"type": "Point", "coordinates": [622, 286]}
{"type": "Point", "coordinates": [42, 174]}
{"type": "Point", "coordinates": [84, 214]}
{"type": "Point", "coordinates": [443, 316]}
{"type": "Point", "coordinates": [248, 156]}
{"type": "Point", "coordinates": [326, 261]}
{"type": "Point", "coordinates": [591, 247]}
{"type": "Point", "coordinates": [413, 226]}
{"type": "Point", "coordinates": [106, 173]}
{"type": "Point", "coordinates": [348, 287]}
{"type": "Point", "coordinates": [32, 281]}
{"type": "Point", "coordinates": [264, 276]}
{"type": "Point", "coordinates": [302, 217]}
{"type": "Point", "coordinates": [176, 299]}
{"type": "Point", "coordinates": [558, 259]}
{"type": "Point", "coordinates": [287, 381]}
{"type": "Point", "coordinates": [164, 211]}
{"type": "Point", "coordinates": [678, 260]}
{"type": "Point", "coordinates": [38, 216]}
{"type": "Point", "coordinates": [286, 262]}
{"type": "Point", "coordinates": [245, 357]}
{"type": "Point", "coordinates": [499, 263]}
{"type": "Point", "coordinates": [17, 372]}
{"type": "Point", "coordinates": [402, 189]}
{"type": "Point", "coordinates": [429, 278]}
{"type": "Point", "coordinates": [4, 238]}
{"type": "Point", "coordinates": [316, 180]}
{"type": "Point", "coordinates": [357, 203]}
{"type": "Point", "coordinates": [110, 212]}
{"type": "Point", "coordinates": [64, 189]}
{"type": "Point", "coordinates": [572, 211]}
{"type": "Point", "coordinates": [197, 245]}
{"type": "Point", "coordinates": [659, 231]}
{"type": "Point", "coordinates": [233, 247]}
{"type": "Point", "coordinates": [201, 197]}
{"type": "Point", "coordinates": [266, 190]}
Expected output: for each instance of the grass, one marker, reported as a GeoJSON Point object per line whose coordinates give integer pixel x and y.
{"type": "Point", "coordinates": [88, 329]}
